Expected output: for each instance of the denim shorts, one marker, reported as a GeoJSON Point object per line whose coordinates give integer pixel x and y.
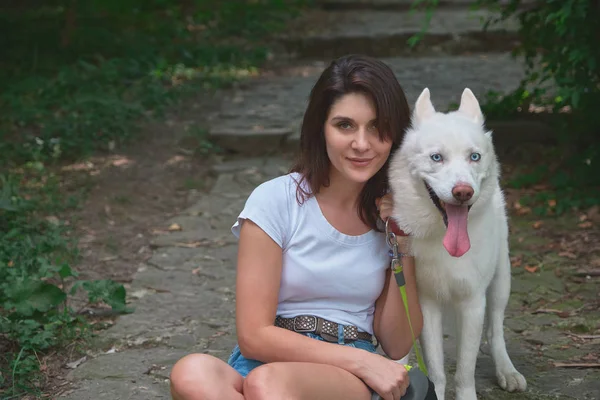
{"type": "Point", "coordinates": [420, 387]}
{"type": "Point", "coordinates": [244, 365]}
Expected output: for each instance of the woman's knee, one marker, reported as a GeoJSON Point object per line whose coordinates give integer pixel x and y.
{"type": "Point", "coordinates": [191, 376]}
{"type": "Point", "coordinates": [267, 382]}
{"type": "Point", "coordinates": [184, 375]}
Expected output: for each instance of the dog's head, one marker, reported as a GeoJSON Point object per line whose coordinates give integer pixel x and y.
{"type": "Point", "coordinates": [442, 170]}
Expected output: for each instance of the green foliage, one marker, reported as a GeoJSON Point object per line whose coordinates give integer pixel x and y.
{"type": "Point", "coordinates": [80, 75]}
{"type": "Point", "coordinates": [36, 279]}
{"type": "Point", "coordinates": [559, 44]}
{"type": "Point", "coordinates": [77, 77]}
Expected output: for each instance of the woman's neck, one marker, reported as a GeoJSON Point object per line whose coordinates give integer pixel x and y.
{"type": "Point", "coordinates": [341, 193]}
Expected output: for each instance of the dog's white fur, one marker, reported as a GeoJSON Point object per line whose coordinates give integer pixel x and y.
{"type": "Point", "coordinates": [477, 284]}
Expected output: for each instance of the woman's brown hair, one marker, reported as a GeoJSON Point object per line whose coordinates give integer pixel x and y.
{"type": "Point", "coordinates": [351, 74]}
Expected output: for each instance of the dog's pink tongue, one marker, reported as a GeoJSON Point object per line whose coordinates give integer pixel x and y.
{"type": "Point", "coordinates": [457, 240]}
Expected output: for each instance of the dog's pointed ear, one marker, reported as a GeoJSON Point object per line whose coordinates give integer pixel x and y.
{"type": "Point", "coordinates": [423, 107]}
{"type": "Point", "coordinates": [469, 106]}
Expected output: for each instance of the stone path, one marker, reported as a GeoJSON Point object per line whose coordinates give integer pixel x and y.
{"type": "Point", "coordinates": [268, 110]}
{"type": "Point", "coordinates": [184, 295]}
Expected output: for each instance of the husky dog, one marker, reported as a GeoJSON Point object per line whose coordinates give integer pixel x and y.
{"type": "Point", "coordinates": [446, 192]}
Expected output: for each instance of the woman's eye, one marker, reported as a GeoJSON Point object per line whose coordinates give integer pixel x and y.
{"type": "Point", "coordinates": [345, 125]}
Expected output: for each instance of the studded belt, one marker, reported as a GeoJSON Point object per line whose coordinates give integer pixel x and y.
{"type": "Point", "coordinates": [326, 329]}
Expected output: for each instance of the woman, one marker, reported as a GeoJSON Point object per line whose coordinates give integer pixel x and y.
{"type": "Point", "coordinates": [314, 283]}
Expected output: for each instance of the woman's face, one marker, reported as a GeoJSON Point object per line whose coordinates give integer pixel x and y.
{"type": "Point", "coordinates": [353, 145]}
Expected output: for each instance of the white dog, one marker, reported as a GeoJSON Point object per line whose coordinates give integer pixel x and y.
{"type": "Point", "coordinates": [445, 186]}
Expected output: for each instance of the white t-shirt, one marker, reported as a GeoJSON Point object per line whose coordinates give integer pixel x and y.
{"type": "Point", "coordinates": [325, 272]}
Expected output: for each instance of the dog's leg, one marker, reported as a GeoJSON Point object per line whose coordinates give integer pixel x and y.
{"type": "Point", "coordinates": [497, 298]}
{"type": "Point", "coordinates": [470, 314]}
{"type": "Point", "coordinates": [432, 342]}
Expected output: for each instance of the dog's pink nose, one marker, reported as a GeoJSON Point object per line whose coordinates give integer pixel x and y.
{"type": "Point", "coordinates": [462, 192]}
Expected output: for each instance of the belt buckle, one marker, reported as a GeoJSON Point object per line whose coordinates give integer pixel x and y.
{"type": "Point", "coordinates": [304, 330]}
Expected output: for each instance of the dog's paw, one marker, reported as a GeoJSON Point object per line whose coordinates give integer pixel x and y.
{"type": "Point", "coordinates": [466, 393]}
{"type": "Point", "coordinates": [512, 381]}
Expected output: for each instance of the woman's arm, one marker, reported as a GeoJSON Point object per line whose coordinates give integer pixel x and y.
{"type": "Point", "coordinates": [257, 290]}
{"type": "Point", "coordinates": [390, 323]}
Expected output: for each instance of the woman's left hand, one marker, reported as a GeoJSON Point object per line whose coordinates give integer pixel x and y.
{"type": "Point", "coordinates": [385, 205]}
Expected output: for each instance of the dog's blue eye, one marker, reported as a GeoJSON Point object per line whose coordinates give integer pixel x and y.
{"type": "Point", "coordinates": [437, 157]}
{"type": "Point", "coordinates": [475, 156]}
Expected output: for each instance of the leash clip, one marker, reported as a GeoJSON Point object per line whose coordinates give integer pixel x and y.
{"type": "Point", "coordinates": [390, 236]}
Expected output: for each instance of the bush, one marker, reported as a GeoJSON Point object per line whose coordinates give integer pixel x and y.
{"type": "Point", "coordinates": [559, 44]}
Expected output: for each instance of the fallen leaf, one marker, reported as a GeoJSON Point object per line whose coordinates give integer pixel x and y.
{"type": "Point", "coordinates": [174, 227]}
{"type": "Point", "coordinates": [583, 217]}
{"type": "Point", "coordinates": [53, 220]}
{"type": "Point", "coordinates": [191, 245]}
{"type": "Point", "coordinates": [76, 363]}
{"type": "Point", "coordinates": [594, 214]}
{"type": "Point", "coordinates": [195, 271]}
{"type": "Point", "coordinates": [585, 337]}
{"type": "Point", "coordinates": [531, 269]}
{"type": "Point", "coordinates": [558, 272]}
{"type": "Point", "coordinates": [516, 261]}
{"type": "Point", "coordinates": [591, 356]}
{"type": "Point", "coordinates": [521, 210]}
{"type": "Point", "coordinates": [585, 225]}
{"type": "Point", "coordinates": [576, 365]}
{"type": "Point", "coordinates": [547, 311]}
{"type": "Point", "coordinates": [120, 162]}
{"type": "Point", "coordinates": [567, 254]}
{"type": "Point", "coordinates": [552, 203]}
{"type": "Point", "coordinates": [157, 290]}
{"type": "Point", "coordinates": [11, 263]}
{"type": "Point", "coordinates": [537, 224]}
{"type": "Point", "coordinates": [176, 159]}
{"type": "Point", "coordinates": [587, 272]}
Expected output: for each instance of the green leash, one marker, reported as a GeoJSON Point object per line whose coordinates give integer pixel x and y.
{"type": "Point", "coordinates": [398, 270]}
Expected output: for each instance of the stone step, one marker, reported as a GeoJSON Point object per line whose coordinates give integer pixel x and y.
{"type": "Point", "coordinates": [324, 35]}
{"type": "Point", "coordinates": [263, 115]}
{"type": "Point", "coordinates": [398, 5]}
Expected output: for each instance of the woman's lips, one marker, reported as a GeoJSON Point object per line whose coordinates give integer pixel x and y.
{"type": "Point", "coordinates": [360, 162]}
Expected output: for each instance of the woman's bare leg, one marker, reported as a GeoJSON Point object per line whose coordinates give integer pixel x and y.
{"type": "Point", "coordinates": [204, 377]}
{"type": "Point", "coordinates": [303, 381]}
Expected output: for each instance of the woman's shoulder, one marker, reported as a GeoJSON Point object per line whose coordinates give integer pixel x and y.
{"type": "Point", "coordinates": [279, 188]}
{"type": "Point", "coordinates": [271, 206]}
